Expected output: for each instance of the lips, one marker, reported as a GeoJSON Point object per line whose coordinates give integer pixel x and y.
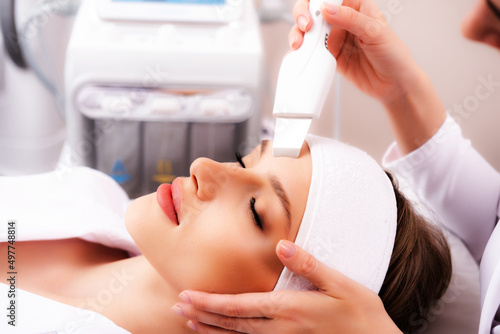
{"type": "Point", "coordinates": [166, 202]}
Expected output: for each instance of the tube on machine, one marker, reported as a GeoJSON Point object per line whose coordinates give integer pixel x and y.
{"type": "Point", "coordinates": [304, 81]}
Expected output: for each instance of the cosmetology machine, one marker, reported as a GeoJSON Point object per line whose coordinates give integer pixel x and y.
{"type": "Point", "coordinates": [305, 78]}
{"type": "Point", "coordinates": [152, 85]}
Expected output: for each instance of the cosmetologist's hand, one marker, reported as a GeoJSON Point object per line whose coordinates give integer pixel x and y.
{"type": "Point", "coordinates": [367, 50]}
{"type": "Point", "coordinates": [340, 306]}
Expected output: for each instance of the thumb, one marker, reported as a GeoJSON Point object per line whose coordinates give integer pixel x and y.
{"type": "Point", "coordinates": [302, 263]}
{"type": "Point", "coordinates": [366, 28]}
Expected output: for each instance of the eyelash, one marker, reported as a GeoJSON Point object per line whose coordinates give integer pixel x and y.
{"type": "Point", "coordinates": [239, 159]}
{"type": "Point", "coordinates": [255, 215]}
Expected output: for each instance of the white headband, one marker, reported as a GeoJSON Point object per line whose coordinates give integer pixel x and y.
{"type": "Point", "coordinates": [350, 218]}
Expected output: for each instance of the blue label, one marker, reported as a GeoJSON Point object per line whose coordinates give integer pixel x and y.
{"type": "Point", "coordinates": [119, 172]}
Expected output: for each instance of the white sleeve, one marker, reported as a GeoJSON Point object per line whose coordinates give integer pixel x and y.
{"type": "Point", "coordinates": [456, 182]}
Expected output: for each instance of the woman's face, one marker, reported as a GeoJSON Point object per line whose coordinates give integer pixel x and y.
{"type": "Point", "coordinates": [482, 25]}
{"type": "Point", "coordinates": [218, 244]}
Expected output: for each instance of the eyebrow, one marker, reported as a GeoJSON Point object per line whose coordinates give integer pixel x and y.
{"type": "Point", "coordinates": [278, 189]}
{"type": "Point", "coordinates": [280, 192]}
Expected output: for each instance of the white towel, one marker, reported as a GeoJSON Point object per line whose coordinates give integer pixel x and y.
{"type": "Point", "coordinates": [351, 215]}
{"type": "Point", "coordinates": [80, 202]}
{"type": "Point", "coordinates": [72, 203]}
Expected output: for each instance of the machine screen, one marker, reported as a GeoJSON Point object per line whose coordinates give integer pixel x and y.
{"type": "Point", "coordinates": [196, 2]}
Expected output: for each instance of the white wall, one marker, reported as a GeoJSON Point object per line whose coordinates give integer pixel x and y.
{"type": "Point", "coordinates": [431, 29]}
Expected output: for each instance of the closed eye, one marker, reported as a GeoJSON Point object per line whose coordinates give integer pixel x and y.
{"type": "Point", "coordinates": [255, 215]}
{"type": "Point", "coordinates": [253, 211]}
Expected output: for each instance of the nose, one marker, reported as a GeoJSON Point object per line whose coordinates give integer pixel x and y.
{"type": "Point", "coordinates": [209, 177]}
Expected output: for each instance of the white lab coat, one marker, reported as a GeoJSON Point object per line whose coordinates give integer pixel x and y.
{"type": "Point", "coordinates": [70, 203]}
{"type": "Point", "coordinates": [464, 191]}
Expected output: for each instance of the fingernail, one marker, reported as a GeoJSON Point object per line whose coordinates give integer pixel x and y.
{"type": "Point", "coordinates": [192, 325]}
{"type": "Point", "coordinates": [177, 310]}
{"type": "Point", "coordinates": [292, 41]}
{"type": "Point", "coordinates": [302, 22]}
{"type": "Point", "coordinates": [287, 249]}
{"type": "Point", "coordinates": [185, 298]}
{"type": "Point", "coordinates": [330, 8]}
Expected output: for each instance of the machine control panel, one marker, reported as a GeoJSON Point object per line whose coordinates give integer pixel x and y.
{"type": "Point", "coordinates": [222, 105]}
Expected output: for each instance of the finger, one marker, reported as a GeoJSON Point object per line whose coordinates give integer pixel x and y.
{"type": "Point", "coordinates": [247, 305]}
{"type": "Point", "coordinates": [305, 265]}
{"type": "Point", "coordinates": [206, 329]}
{"type": "Point", "coordinates": [346, 49]}
{"type": "Point", "coordinates": [295, 38]}
{"type": "Point", "coordinates": [364, 27]}
{"type": "Point", "coordinates": [336, 41]}
{"type": "Point", "coordinates": [301, 15]}
{"type": "Point", "coordinates": [242, 325]}
{"type": "Point", "coordinates": [364, 6]}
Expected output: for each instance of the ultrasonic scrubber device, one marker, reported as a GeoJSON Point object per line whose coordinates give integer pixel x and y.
{"type": "Point", "coordinates": [304, 80]}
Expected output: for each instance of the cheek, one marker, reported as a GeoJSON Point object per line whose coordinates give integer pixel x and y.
{"type": "Point", "coordinates": [228, 256]}
{"type": "Point", "coordinates": [240, 267]}
{"type": "Point", "coordinates": [217, 249]}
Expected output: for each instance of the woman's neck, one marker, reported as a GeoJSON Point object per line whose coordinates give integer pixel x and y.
{"type": "Point", "coordinates": [130, 293]}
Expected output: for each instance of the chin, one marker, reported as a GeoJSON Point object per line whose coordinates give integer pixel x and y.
{"type": "Point", "coordinates": [136, 214]}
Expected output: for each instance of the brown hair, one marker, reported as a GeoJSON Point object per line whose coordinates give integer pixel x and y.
{"type": "Point", "coordinates": [420, 267]}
